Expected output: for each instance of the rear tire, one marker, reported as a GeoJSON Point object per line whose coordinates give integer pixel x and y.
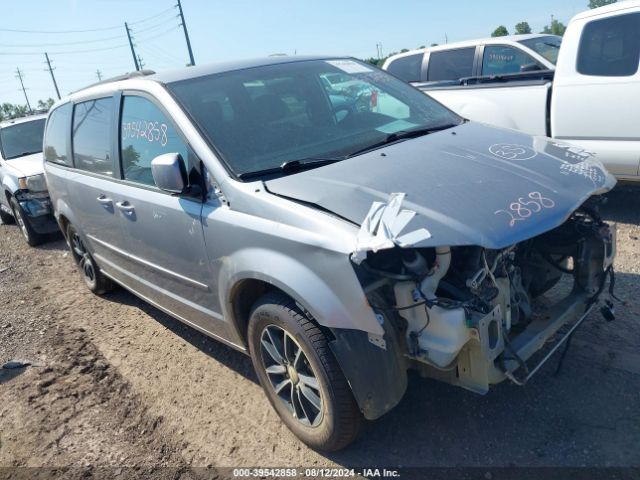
{"type": "Point", "coordinates": [93, 277]}
{"type": "Point", "coordinates": [32, 237]}
{"type": "Point", "coordinates": [302, 378]}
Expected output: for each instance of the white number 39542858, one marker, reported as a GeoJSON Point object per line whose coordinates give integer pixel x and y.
{"type": "Point", "coordinates": [524, 208]}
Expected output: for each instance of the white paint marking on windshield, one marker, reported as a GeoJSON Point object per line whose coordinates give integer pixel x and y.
{"type": "Point", "coordinates": [349, 66]}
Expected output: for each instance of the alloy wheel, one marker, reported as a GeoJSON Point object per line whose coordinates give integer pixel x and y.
{"type": "Point", "coordinates": [83, 258]}
{"type": "Point", "coordinates": [291, 375]}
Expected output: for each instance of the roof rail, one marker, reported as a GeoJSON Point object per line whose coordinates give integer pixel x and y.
{"type": "Point", "coordinates": [117, 78]}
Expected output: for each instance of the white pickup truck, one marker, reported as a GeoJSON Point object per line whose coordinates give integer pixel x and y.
{"type": "Point", "coordinates": [592, 100]}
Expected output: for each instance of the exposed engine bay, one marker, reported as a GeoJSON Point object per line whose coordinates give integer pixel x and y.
{"type": "Point", "coordinates": [473, 316]}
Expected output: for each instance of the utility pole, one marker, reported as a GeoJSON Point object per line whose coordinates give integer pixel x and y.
{"type": "Point", "coordinates": [19, 76]}
{"type": "Point", "coordinates": [186, 34]}
{"type": "Point", "coordinates": [140, 62]}
{"type": "Point", "coordinates": [133, 52]}
{"type": "Point", "coordinates": [46, 55]}
{"type": "Point", "coordinates": [379, 50]}
{"type": "Point", "coordinates": [99, 74]}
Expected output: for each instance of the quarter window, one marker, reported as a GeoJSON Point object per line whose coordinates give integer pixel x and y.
{"type": "Point", "coordinates": [145, 133]}
{"type": "Point", "coordinates": [55, 140]}
{"type": "Point", "coordinates": [92, 136]}
{"type": "Point", "coordinates": [610, 47]}
{"type": "Point", "coordinates": [451, 64]}
{"type": "Point", "coordinates": [408, 68]}
{"type": "Point", "coordinates": [501, 60]}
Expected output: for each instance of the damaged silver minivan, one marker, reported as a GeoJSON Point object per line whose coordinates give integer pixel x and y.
{"type": "Point", "coordinates": [339, 236]}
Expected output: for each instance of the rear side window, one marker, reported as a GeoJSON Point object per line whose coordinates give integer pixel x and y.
{"type": "Point", "coordinates": [451, 64]}
{"type": "Point", "coordinates": [145, 133]}
{"type": "Point", "coordinates": [55, 139]}
{"type": "Point", "coordinates": [92, 136]}
{"type": "Point", "coordinates": [610, 47]}
{"type": "Point", "coordinates": [407, 68]}
{"type": "Point", "coordinates": [501, 60]}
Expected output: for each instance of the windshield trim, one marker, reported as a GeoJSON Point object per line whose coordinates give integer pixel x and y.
{"type": "Point", "coordinates": [546, 39]}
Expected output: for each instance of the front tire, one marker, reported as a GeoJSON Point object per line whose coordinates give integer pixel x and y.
{"type": "Point", "coordinates": [6, 218]}
{"type": "Point", "coordinates": [300, 375]}
{"type": "Point", "coordinates": [32, 237]}
{"type": "Point", "coordinates": [93, 277]}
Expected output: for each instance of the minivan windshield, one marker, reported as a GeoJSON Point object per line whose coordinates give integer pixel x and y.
{"type": "Point", "coordinates": [548, 47]}
{"type": "Point", "coordinates": [305, 113]}
{"type": "Point", "coordinates": [21, 139]}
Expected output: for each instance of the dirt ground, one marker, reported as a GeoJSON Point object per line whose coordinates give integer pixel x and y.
{"type": "Point", "coordinates": [113, 382]}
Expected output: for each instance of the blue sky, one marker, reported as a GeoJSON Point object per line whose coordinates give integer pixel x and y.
{"type": "Point", "coordinates": [224, 30]}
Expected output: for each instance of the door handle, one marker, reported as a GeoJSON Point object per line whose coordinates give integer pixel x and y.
{"type": "Point", "coordinates": [105, 201]}
{"type": "Point", "coordinates": [126, 207]}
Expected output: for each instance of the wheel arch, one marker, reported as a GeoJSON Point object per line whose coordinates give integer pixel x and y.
{"type": "Point", "coordinates": [64, 216]}
{"type": "Point", "coordinates": [377, 376]}
{"type": "Point", "coordinates": [248, 273]}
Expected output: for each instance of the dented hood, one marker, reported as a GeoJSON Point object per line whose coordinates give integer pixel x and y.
{"type": "Point", "coordinates": [469, 185]}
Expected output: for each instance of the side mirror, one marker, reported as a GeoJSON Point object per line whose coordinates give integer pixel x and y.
{"type": "Point", "coordinates": [169, 172]}
{"type": "Point", "coordinates": [530, 67]}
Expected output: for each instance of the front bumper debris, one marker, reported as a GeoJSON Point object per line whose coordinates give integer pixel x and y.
{"type": "Point", "coordinates": [38, 208]}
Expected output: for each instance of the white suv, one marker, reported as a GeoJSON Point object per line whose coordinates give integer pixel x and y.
{"type": "Point", "coordinates": [23, 196]}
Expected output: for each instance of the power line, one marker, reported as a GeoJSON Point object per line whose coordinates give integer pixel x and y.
{"type": "Point", "coordinates": [11, 30]}
{"type": "Point", "coordinates": [160, 54]}
{"type": "Point", "coordinates": [152, 17]}
{"type": "Point", "coordinates": [161, 34]}
{"type": "Point", "coordinates": [59, 43]}
{"type": "Point", "coordinates": [68, 51]}
{"type": "Point", "coordinates": [146, 29]}
{"type": "Point", "coordinates": [89, 50]}
{"type": "Point", "coordinates": [102, 29]}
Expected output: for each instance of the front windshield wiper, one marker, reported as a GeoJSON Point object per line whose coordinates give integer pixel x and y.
{"type": "Point", "coordinates": [402, 135]}
{"type": "Point", "coordinates": [291, 166]}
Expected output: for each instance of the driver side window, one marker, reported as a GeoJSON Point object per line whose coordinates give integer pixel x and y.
{"type": "Point", "coordinates": [145, 133]}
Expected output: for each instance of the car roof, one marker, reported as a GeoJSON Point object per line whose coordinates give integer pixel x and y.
{"type": "Point", "coordinates": [170, 76]}
{"type": "Point", "coordinates": [187, 73]}
{"type": "Point", "coordinates": [614, 7]}
{"type": "Point", "coordinates": [472, 43]}
{"type": "Point", "coordinates": [28, 118]}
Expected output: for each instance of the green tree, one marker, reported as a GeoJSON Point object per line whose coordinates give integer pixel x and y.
{"type": "Point", "coordinates": [501, 31]}
{"type": "Point", "coordinates": [556, 28]}
{"type": "Point", "coordinates": [46, 104]}
{"type": "Point", "coordinates": [522, 28]}
{"type": "Point", "coordinates": [373, 61]}
{"type": "Point", "coordinates": [18, 110]}
{"type": "Point", "coordinates": [600, 3]}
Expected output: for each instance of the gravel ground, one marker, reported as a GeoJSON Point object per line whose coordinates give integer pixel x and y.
{"type": "Point", "coordinates": [116, 383]}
